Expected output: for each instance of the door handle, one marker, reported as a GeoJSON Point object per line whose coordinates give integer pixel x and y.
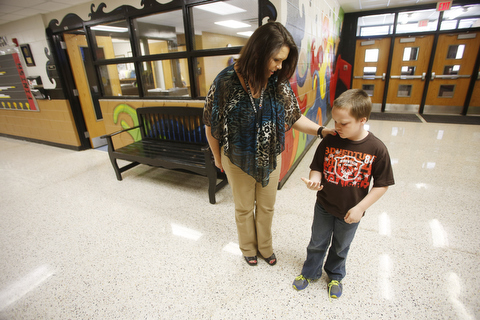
{"type": "Point", "coordinates": [449, 76]}
{"type": "Point", "coordinates": [452, 76]}
{"type": "Point", "coordinates": [371, 77]}
{"type": "Point", "coordinates": [409, 77]}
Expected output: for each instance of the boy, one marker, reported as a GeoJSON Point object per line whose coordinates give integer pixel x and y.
{"type": "Point", "coordinates": [341, 172]}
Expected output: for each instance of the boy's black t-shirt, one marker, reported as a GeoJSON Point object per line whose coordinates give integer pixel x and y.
{"type": "Point", "coordinates": [347, 169]}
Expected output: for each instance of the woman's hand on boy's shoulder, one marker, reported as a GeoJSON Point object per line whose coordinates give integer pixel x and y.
{"type": "Point", "coordinates": [326, 131]}
{"type": "Point", "coordinates": [313, 185]}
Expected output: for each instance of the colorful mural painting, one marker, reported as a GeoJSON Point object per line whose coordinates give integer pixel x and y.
{"type": "Point", "coordinates": [315, 27]}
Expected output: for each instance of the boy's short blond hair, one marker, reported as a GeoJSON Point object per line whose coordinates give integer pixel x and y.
{"type": "Point", "coordinates": [356, 101]}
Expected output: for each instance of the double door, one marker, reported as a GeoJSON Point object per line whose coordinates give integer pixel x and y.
{"type": "Point", "coordinates": [410, 80]}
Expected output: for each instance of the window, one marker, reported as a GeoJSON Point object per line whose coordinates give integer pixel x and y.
{"type": "Point", "coordinates": [375, 25]}
{"type": "Point", "coordinates": [455, 51]}
{"type": "Point", "coordinates": [371, 55]}
{"type": "Point", "coordinates": [461, 17]}
{"type": "Point", "coordinates": [369, 71]}
{"type": "Point", "coordinates": [160, 56]}
{"type": "Point", "coordinates": [224, 24]}
{"type": "Point", "coordinates": [369, 89]}
{"type": "Point", "coordinates": [410, 53]}
{"type": "Point", "coordinates": [111, 40]}
{"type": "Point", "coordinates": [160, 33]}
{"type": "Point", "coordinates": [446, 91]}
{"type": "Point", "coordinates": [451, 70]}
{"type": "Point", "coordinates": [417, 21]}
{"type": "Point", "coordinates": [404, 90]}
{"type": "Point", "coordinates": [408, 71]}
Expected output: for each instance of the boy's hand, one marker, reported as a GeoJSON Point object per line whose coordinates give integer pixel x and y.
{"type": "Point", "coordinates": [354, 215]}
{"type": "Point", "coordinates": [313, 185]}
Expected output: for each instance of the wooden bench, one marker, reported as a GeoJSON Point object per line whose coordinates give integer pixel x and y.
{"type": "Point", "coordinates": [172, 138]}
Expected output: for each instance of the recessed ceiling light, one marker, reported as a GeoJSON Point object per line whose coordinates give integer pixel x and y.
{"type": "Point", "coordinates": [221, 8]}
{"type": "Point", "coordinates": [233, 24]}
{"type": "Point", "coordinates": [245, 33]}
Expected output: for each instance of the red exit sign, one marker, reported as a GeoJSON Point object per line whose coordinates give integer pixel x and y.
{"type": "Point", "coordinates": [445, 5]}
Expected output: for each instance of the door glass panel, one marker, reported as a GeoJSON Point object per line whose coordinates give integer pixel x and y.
{"type": "Point", "coordinates": [369, 71]}
{"type": "Point", "coordinates": [224, 23]}
{"type": "Point", "coordinates": [455, 51]}
{"type": "Point", "coordinates": [446, 91]}
{"type": "Point", "coordinates": [91, 80]}
{"type": "Point", "coordinates": [451, 69]}
{"type": "Point", "coordinates": [408, 71]}
{"type": "Point", "coordinates": [368, 88]}
{"type": "Point", "coordinates": [160, 33]}
{"type": "Point", "coordinates": [410, 53]}
{"type": "Point", "coordinates": [404, 90]}
{"type": "Point", "coordinates": [371, 55]}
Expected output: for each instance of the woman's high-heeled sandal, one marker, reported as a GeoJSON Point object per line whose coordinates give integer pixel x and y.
{"type": "Point", "coordinates": [252, 261]}
{"type": "Point", "coordinates": [272, 260]}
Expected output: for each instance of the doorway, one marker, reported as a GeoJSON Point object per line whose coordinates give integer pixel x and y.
{"type": "Point", "coordinates": [452, 71]}
{"type": "Point", "coordinates": [409, 67]}
{"type": "Point", "coordinates": [370, 69]}
{"type": "Point", "coordinates": [423, 75]}
{"type": "Point", "coordinates": [87, 88]}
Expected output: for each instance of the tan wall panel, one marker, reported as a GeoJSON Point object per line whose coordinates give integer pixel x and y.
{"type": "Point", "coordinates": [53, 123]}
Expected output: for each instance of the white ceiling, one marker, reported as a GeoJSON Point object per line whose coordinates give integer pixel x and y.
{"type": "Point", "coordinates": [11, 10]}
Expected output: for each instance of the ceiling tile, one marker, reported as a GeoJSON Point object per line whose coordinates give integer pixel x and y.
{"type": "Point", "coordinates": [8, 8]}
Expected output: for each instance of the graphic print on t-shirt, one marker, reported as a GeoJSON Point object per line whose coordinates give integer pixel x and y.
{"type": "Point", "coordinates": [348, 168]}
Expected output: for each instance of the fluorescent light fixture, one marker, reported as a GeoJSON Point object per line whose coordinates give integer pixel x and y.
{"type": "Point", "coordinates": [109, 28]}
{"type": "Point", "coordinates": [221, 8]}
{"type": "Point", "coordinates": [245, 33]}
{"type": "Point", "coordinates": [233, 24]}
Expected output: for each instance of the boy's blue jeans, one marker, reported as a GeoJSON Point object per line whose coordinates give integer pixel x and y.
{"type": "Point", "coordinates": [328, 229]}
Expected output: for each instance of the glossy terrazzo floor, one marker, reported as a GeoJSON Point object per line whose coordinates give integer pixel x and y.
{"type": "Point", "coordinates": [78, 244]}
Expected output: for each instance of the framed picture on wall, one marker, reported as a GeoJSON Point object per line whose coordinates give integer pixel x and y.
{"type": "Point", "coordinates": [27, 54]}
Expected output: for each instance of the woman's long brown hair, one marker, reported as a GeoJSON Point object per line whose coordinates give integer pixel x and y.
{"type": "Point", "coordinates": [263, 45]}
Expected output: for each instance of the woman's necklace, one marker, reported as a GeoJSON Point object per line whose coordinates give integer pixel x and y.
{"type": "Point", "coordinates": [258, 113]}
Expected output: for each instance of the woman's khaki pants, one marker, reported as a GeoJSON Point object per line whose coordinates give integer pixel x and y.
{"type": "Point", "coordinates": [254, 207]}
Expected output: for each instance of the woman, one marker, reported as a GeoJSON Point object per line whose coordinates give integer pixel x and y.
{"type": "Point", "coordinates": [248, 109]}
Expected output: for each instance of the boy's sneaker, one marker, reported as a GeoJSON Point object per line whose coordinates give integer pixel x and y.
{"type": "Point", "coordinates": [301, 282]}
{"type": "Point", "coordinates": [335, 289]}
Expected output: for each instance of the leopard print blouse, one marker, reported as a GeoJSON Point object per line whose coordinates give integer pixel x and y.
{"type": "Point", "coordinates": [251, 143]}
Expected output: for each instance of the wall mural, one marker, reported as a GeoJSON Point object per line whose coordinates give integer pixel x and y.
{"type": "Point", "coordinates": [313, 79]}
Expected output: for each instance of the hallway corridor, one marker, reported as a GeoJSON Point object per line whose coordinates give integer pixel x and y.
{"type": "Point", "coordinates": [75, 243]}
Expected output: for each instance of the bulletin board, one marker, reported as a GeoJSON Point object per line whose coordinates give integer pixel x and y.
{"type": "Point", "coordinates": [15, 91]}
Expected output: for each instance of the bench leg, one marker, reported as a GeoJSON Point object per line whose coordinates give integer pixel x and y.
{"type": "Point", "coordinates": [117, 170]}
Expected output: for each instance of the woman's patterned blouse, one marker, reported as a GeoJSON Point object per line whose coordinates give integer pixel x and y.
{"type": "Point", "coordinates": [250, 143]}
